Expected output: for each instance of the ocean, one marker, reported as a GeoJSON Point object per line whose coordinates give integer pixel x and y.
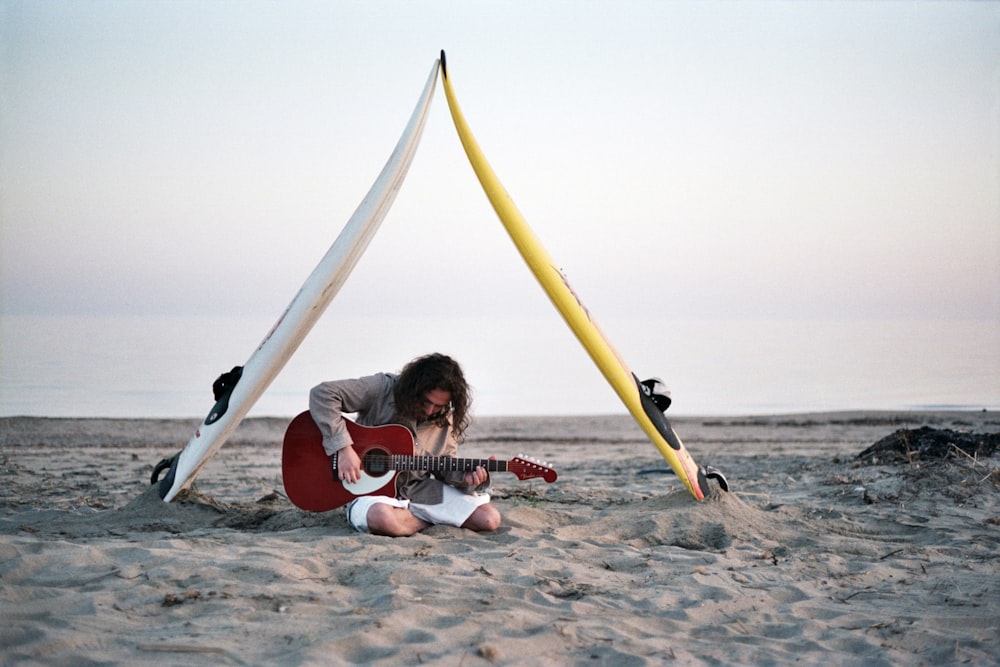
{"type": "Point", "coordinates": [132, 366]}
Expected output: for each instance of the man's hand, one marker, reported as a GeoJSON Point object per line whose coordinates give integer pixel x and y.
{"type": "Point", "coordinates": [477, 476]}
{"type": "Point", "coordinates": [348, 465]}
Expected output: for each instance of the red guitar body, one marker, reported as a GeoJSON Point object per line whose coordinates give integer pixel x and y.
{"type": "Point", "coordinates": [308, 474]}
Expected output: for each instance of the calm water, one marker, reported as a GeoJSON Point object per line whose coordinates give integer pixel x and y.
{"type": "Point", "coordinates": [164, 367]}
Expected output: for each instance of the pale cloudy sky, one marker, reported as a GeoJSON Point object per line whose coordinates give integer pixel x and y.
{"type": "Point", "coordinates": [775, 159]}
{"type": "Point", "coordinates": [781, 160]}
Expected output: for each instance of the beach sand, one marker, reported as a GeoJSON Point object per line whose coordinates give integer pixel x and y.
{"type": "Point", "coordinates": [814, 557]}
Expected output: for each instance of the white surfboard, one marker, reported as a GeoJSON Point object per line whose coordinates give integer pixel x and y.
{"type": "Point", "coordinates": [242, 389]}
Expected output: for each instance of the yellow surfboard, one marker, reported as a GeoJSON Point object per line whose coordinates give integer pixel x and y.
{"type": "Point", "coordinates": [612, 366]}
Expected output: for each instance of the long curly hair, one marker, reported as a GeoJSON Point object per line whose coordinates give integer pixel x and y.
{"type": "Point", "coordinates": [427, 373]}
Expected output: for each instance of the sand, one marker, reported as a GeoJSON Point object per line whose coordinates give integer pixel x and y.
{"type": "Point", "coordinates": [814, 557]}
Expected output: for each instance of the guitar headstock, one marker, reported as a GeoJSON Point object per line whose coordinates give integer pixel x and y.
{"type": "Point", "coordinates": [525, 467]}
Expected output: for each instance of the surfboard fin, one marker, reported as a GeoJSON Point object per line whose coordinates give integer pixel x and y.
{"type": "Point", "coordinates": [170, 465]}
{"type": "Point", "coordinates": [160, 467]}
{"type": "Point", "coordinates": [716, 474]}
{"type": "Point", "coordinates": [222, 389]}
{"type": "Point", "coordinates": [657, 392]}
{"type": "Point", "coordinates": [704, 474]}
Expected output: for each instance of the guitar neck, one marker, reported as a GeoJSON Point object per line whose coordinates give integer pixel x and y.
{"type": "Point", "coordinates": [389, 448]}
{"type": "Point", "coordinates": [441, 463]}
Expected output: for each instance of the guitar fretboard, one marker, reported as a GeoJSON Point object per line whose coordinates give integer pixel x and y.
{"type": "Point", "coordinates": [378, 463]}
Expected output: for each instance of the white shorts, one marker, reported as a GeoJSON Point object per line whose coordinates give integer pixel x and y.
{"type": "Point", "coordinates": [454, 509]}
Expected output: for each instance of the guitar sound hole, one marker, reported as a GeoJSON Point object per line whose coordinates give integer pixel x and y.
{"type": "Point", "coordinates": [376, 462]}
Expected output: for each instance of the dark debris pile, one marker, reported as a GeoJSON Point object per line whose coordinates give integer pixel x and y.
{"type": "Point", "coordinates": [926, 443]}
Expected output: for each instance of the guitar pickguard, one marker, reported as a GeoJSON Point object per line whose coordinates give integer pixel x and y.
{"type": "Point", "coordinates": [369, 484]}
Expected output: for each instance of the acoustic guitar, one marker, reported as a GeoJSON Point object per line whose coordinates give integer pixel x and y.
{"type": "Point", "coordinates": [310, 475]}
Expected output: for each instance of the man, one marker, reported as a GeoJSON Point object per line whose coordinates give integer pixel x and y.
{"type": "Point", "coordinates": [430, 397]}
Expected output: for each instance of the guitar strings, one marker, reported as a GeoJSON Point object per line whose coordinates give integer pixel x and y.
{"type": "Point", "coordinates": [404, 462]}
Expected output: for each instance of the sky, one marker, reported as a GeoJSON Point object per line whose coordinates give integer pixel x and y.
{"type": "Point", "coordinates": [759, 160]}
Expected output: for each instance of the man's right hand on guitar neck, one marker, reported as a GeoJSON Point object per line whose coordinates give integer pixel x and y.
{"type": "Point", "coordinates": [348, 469]}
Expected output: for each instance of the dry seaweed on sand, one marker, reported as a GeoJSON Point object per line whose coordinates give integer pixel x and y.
{"type": "Point", "coordinates": [926, 443]}
{"type": "Point", "coordinates": [935, 463]}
